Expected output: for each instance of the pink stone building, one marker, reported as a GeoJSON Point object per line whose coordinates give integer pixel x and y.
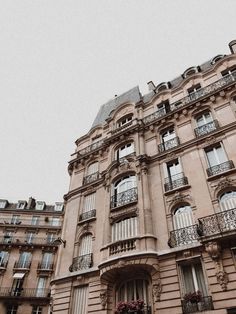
{"type": "Point", "coordinates": [151, 208]}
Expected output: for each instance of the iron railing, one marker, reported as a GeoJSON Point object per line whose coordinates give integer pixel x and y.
{"type": "Point", "coordinates": [124, 198]}
{"type": "Point", "coordinates": [24, 292]}
{"type": "Point", "coordinates": [217, 223]}
{"type": "Point", "coordinates": [82, 262]}
{"type": "Point", "coordinates": [22, 264]}
{"type": "Point", "coordinates": [202, 92]}
{"type": "Point", "coordinates": [146, 310]}
{"type": "Point", "coordinates": [47, 221]}
{"type": "Point", "coordinates": [122, 246]}
{"type": "Point", "coordinates": [91, 177]}
{"type": "Point", "coordinates": [91, 147]}
{"type": "Point", "coordinates": [45, 266]}
{"type": "Point", "coordinates": [24, 241]}
{"type": "Point", "coordinates": [122, 127]}
{"type": "Point", "coordinates": [175, 182]}
{"type": "Point", "coordinates": [206, 128]}
{"type": "Point", "coordinates": [183, 236]}
{"type": "Point", "coordinates": [174, 142]}
{"type": "Point", "coordinates": [204, 305]}
{"type": "Point", "coordinates": [156, 115]}
{"type": "Point", "coordinates": [225, 166]}
{"type": "Point", "coordinates": [87, 215]}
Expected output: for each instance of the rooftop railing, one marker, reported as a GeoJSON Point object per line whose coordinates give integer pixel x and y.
{"type": "Point", "coordinates": [225, 166]}
{"type": "Point", "coordinates": [124, 198]}
{"type": "Point", "coordinates": [91, 147]}
{"type": "Point", "coordinates": [200, 93]}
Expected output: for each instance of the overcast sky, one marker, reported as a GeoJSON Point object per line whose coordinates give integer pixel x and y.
{"type": "Point", "coordinates": [61, 60]}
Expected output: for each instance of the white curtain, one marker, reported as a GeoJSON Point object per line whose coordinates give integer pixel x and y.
{"type": "Point", "coordinates": [80, 297]}
{"type": "Point", "coordinates": [125, 229]}
{"type": "Point", "coordinates": [89, 202]}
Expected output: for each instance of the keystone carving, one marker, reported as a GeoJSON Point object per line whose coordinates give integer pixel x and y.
{"type": "Point", "coordinates": [103, 298]}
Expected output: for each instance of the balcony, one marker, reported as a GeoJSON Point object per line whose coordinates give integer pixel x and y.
{"type": "Point", "coordinates": [91, 178]}
{"type": "Point", "coordinates": [118, 129]}
{"type": "Point", "coordinates": [19, 241]}
{"type": "Point", "coordinates": [122, 246]}
{"type": "Point", "coordinates": [200, 93]}
{"type": "Point", "coordinates": [174, 142]}
{"type": "Point", "coordinates": [206, 128]}
{"type": "Point", "coordinates": [81, 262]}
{"type": "Point", "coordinates": [124, 198]}
{"type": "Point", "coordinates": [156, 115]}
{"type": "Point", "coordinates": [24, 293]}
{"type": "Point", "coordinates": [183, 236]}
{"type": "Point", "coordinates": [218, 224]}
{"type": "Point", "coordinates": [204, 305]}
{"type": "Point", "coordinates": [22, 222]}
{"type": "Point", "coordinates": [22, 265]}
{"type": "Point", "coordinates": [45, 267]}
{"type": "Point", "coordinates": [217, 169]}
{"type": "Point", "coordinates": [87, 215]}
{"type": "Point", "coordinates": [175, 182]}
{"type": "Point", "coordinates": [91, 148]}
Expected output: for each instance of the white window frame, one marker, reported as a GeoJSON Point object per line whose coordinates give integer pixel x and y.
{"type": "Point", "coordinates": [183, 217]}
{"type": "Point", "coordinates": [37, 309]}
{"type": "Point", "coordinates": [216, 155]}
{"type": "Point", "coordinates": [227, 201]}
{"type": "Point", "coordinates": [204, 118]}
{"type": "Point", "coordinates": [3, 204]}
{"type": "Point", "coordinates": [125, 150]}
{"type": "Point", "coordinates": [35, 220]}
{"type": "Point", "coordinates": [39, 205]}
{"type": "Point", "coordinates": [21, 205]}
{"type": "Point", "coordinates": [124, 229]}
{"type": "Point", "coordinates": [58, 207]}
{"type": "Point", "coordinates": [89, 202]}
{"type": "Point", "coordinates": [124, 121]}
{"type": "Point", "coordinates": [86, 243]}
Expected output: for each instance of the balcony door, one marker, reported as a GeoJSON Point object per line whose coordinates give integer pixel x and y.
{"type": "Point", "coordinates": [3, 258]}
{"type": "Point", "coordinates": [47, 260]}
{"type": "Point", "coordinates": [24, 260]}
{"type": "Point", "coordinates": [227, 204]}
{"type": "Point", "coordinates": [193, 278]}
{"type": "Point", "coordinates": [17, 287]}
{"type": "Point", "coordinates": [216, 156]}
{"type": "Point", "coordinates": [136, 289]}
{"type": "Point", "coordinates": [204, 119]}
{"type": "Point", "coordinates": [40, 290]}
{"type": "Point", "coordinates": [174, 170]}
{"type": "Point", "coordinates": [183, 217]}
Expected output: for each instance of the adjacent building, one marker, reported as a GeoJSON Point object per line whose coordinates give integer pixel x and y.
{"type": "Point", "coordinates": [29, 238]}
{"type": "Point", "coordinates": [151, 208]}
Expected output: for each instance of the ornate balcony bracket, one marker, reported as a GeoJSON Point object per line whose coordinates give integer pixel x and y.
{"type": "Point", "coordinates": [103, 298]}
{"type": "Point", "coordinates": [156, 290]}
{"type": "Point", "coordinates": [214, 250]}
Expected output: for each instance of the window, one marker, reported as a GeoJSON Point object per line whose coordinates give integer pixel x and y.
{"type": "Point", "coordinates": [89, 202]}
{"type": "Point", "coordinates": [163, 108]}
{"type": "Point", "coordinates": [136, 289]}
{"type": "Point", "coordinates": [84, 259]}
{"type": "Point", "coordinates": [92, 173]}
{"type": "Point", "coordinates": [228, 200]}
{"type": "Point", "coordinates": [47, 261]}
{"type": "Point", "coordinates": [21, 205]}
{"type": "Point", "coordinates": [193, 278]}
{"type": "Point", "coordinates": [228, 71]}
{"type": "Point", "coordinates": [194, 89]}
{"type": "Point", "coordinates": [205, 124]}
{"type": "Point", "coordinates": [37, 309]}
{"type": "Point", "coordinates": [8, 237]}
{"type": "Point", "coordinates": [35, 220]}
{"type": "Point", "coordinates": [15, 220]}
{"type": "Point", "coordinates": [3, 203]}
{"type": "Point", "coordinates": [80, 297]}
{"type": "Point", "coordinates": [12, 309]}
{"type": "Point", "coordinates": [124, 229]}
{"type": "Point", "coordinates": [3, 258]}
{"type": "Point", "coordinates": [169, 140]}
{"type": "Point", "coordinates": [40, 205]}
{"type": "Point", "coordinates": [55, 221]}
{"type": "Point", "coordinates": [85, 245]}
{"type": "Point", "coordinates": [92, 168]}
{"type": "Point", "coordinates": [125, 150]}
{"type": "Point", "coordinates": [183, 217]}
{"type": "Point", "coordinates": [124, 191]}
{"type": "Point", "coordinates": [216, 155]}
{"type": "Point", "coordinates": [40, 290]}
{"type": "Point", "coordinates": [24, 260]}
{"type": "Point", "coordinates": [30, 237]}
{"type": "Point", "coordinates": [16, 287]}
{"type": "Point", "coordinates": [51, 237]}
{"type": "Point", "coordinates": [174, 170]}
{"type": "Point", "coordinates": [58, 206]}
{"type": "Point", "coordinates": [124, 121]}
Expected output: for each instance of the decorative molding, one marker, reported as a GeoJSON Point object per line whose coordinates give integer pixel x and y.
{"type": "Point", "coordinates": [156, 290]}
{"type": "Point", "coordinates": [222, 279]}
{"type": "Point", "coordinates": [222, 184]}
{"type": "Point", "coordinates": [103, 298]}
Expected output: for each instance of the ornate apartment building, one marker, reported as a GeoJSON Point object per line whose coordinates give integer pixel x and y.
{"type": "Point", "coordinates": [150, 219]}
{"type": "Point", "coordinates": [29, 238]}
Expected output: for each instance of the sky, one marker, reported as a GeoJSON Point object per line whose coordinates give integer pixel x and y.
{"type": "Point", "coordinates": [60, 60]}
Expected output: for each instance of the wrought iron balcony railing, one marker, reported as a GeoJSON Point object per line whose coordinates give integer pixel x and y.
{"type": "Point", "coordinates": [3, 264]}
{"type": "Point", "coordinates": [91, 147]}
{"type": "Point", "coordinates": [87, 215]}
{"type": "Point", "coordinates": [217, 223]}
{"type": "Point", "coordinates": [146, 310]}
{"type": "Point", "coordinates": [204, 305]}
{"type": "Point", "coordinates": [202, 92]}
{"type": "Point", "coordinates": [47, 221]}
{"type": "Point", "coordinates": [175, 182]}
{"type": "Point", "coordinates": [22, 264]}
{"type": "Point", "coordinates": [206, 128]}
{"type": "Point", "coordinates": [45, 266]}
{"type": "Point", "coordinates": [174, 142]}
{"type": "Point", "coordinates": [10, 240]}
{"type": "Point", "coordinates": [24, 292]}
{"type": "Point", "coordinates": [91, 178]}
{"type": "Point", "coordinates": [82, 262]}
{"type": "Point", "coordinates": [225, 166]}
{"type": "Point", "coordinates": [124, 198]}
{"type": "Point", "coordinates": [122, 246]}
{"type": "Point", "coordinates": [183, 236]}
{"type": "Point", "coordinates": [122, 127]}
{"type": "Point", "coordinates": [157, 114]}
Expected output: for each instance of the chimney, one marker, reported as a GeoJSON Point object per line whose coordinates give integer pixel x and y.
{"type": "Point", "coordinates": [151, 86]}
{"type": "Point", "coordinates": [31, 203]}
{"type": "Point", "coordinates": [232, 46]}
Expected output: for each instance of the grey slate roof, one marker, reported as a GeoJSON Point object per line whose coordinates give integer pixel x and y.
{"type": "Point", "coordinates": [133, 95]}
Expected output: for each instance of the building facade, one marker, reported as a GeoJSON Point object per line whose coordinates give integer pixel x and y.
{"type": "Point", "coordinates": [29, 238]}
{"type": "Point", "coordinates": [150, 219]}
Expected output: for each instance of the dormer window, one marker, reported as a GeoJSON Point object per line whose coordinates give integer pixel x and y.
{"type": "Point", "coordinates": [228, 71]}
{"type": "Point", "coordinates": [58, 206]}
{"type": "Point", "coordinates": [39, 205]}
{"type": "Point", "coordinates": [163, 108]}
{"type": "Point", "coordinates": [124, 121]}
{"type": "Point", "coordinates": [194, 88]}
{"type": "Point", "coordinates": [3, 203]}
{"type": "Point", "coordinates": [21, 205]}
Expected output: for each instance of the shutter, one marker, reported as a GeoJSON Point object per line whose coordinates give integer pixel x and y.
{"type": "Point", "coordinates": [89, 202]}
{"type": "Point", "coordinates": [86, 245]}
{"type": "Point", "coordinates": [80, 297]}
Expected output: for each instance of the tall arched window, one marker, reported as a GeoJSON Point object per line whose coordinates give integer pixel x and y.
{"type": "Point", "coordinates": [183, 217]}
{"type": "Point", "coordinates": [124, 150]}
{"type": "Point", "coordinates": [124, 120]}
{"type": "Point", "coordinates": [84, 259]}
{"type": "Point", "coordinates": [124, 191]}
{"type": "Point", "coordinates": [205, 123]}
{"type": "Point", "coordinates": [135, 289]}
{"type": "Point", "coordinates": [228, 200]}
{"type": "Point", "coordinates": [92, 173]}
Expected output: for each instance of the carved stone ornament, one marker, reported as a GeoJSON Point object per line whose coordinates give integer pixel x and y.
{"type": "Point", "coordinates": [223, 183]}
{"type": "Point", "coordinates": [213, 249]}
{"type": "Point", "coordinates": [156, 290]}
{"type": "Point", "coordinates": [103, 298]}
{"type": "Point", "coordinates": [177, 198]}
{"type": "Point", "coordinates": [210, 141]}
{"type": "Point", "coordinates": [170, 157]}
{"type": "Point", "coordinates": [222, 279]}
